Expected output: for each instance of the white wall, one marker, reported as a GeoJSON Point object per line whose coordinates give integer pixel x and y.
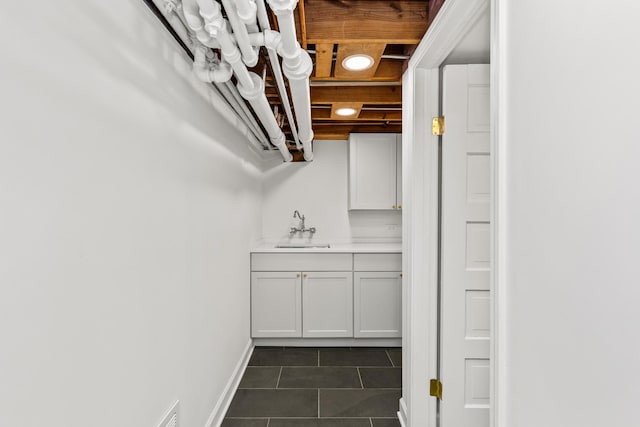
{"type": "Point", "coordinates": [127, 210]}
{"type": "Point", "coordinates": [319, 190]}
{"type": "Point", "coordinates": [572, 209]}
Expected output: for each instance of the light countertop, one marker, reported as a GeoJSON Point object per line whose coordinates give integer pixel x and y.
{"type": "Point", "coordinates": [394, 247]}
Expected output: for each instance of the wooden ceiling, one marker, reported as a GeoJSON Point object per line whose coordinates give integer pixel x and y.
{"type": "Point", "coordinates": [386, 30]}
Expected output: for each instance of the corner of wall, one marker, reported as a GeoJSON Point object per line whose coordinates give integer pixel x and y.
{"type": "Point", "coordinates": [223, 403]}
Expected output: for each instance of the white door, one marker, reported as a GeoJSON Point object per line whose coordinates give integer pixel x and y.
{"type": "Point", "coordinates": [327, 305]}
{"type": "Point", "coordinates": [276, 304]}
{"type": "Point", "coordinates": [464, 349]}
{"type": "Point", "coordinates": [377, 303]}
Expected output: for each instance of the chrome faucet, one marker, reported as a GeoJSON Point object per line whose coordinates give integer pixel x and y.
{"type": "Point", "coordinates": [302, 227]}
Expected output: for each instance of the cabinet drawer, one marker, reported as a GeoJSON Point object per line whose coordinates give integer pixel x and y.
{"type": "Point", "coordinates": [377, 262]}
{"type": "Point", "coordinates": [301, 262]}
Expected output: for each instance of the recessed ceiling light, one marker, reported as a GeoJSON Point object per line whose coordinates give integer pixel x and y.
{"type": "Point", "coordinates": [346, 111]}
{"type": "Point", "coordinates": [357, 62]}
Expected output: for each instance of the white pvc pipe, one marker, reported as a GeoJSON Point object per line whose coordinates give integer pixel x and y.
{"type": "Point", "coordinates": [247, 10]}
{"type": "Point", "coordinates": [219, 73]}
{"type": "Point", "coordinates": [249, 55]}
{"type": "Point", "coordinates": [195, 22]}
{"type": "Point", "coordinates": [263, 19]}
{"type": "Point", "coordinates": [226, 89]}
{"type": "Point", "coordinates": [297, 66]}
{"type": "Point", "coordinates": [260, 104]}
{"type": "Point", "coordinates": [250, 86]}
{"type": "Point", "coordinates": [233, 91]}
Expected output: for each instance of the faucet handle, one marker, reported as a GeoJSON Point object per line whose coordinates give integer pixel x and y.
{"type": "Point", "coordinates": [312, 230]}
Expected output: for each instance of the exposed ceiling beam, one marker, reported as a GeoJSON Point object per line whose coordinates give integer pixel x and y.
{"type": "Point", "coordinates": [365, 115]}
{"type": "Point", "coordinates": [387, 95]}
{"type": "Point", "coordinates": [342, 132]}
{"type": "Point", "coordinates": [324, 60]}
{"type": "Point", "coordinates": [373, 21]}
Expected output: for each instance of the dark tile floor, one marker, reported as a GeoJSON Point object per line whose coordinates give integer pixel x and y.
{"type": "Point", "coordinates": [318, 387]}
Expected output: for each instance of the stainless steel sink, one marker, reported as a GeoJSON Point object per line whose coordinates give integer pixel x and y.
{"type": "Point", "coordinates": [300, 245]}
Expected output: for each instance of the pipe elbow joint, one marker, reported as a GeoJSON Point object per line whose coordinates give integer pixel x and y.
{"type": "Point", "coordinates": [272, 39]}
{"type": "Point", "coordinates": [300, 68]}
{"type": "Point", "coordinates": [211, 12]}
{"type": "Point", "coordinates": [221, 73]}
{"type": "Point", "coordinates": [250, 93]}
{"type": "Point", "coordinates": [247, 11]}
{"type": "Point", "coordinates": [283, 6]}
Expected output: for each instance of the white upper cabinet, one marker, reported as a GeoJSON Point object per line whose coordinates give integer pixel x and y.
{"type": "Point", "coordinates": [375, 171]}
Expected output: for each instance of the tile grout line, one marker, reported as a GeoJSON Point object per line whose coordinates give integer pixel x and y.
{"type": "Point", "coordinates": [370, 422]}
{"type": "Point", "coordinates": [318, 357]}
{"type": "Point", "coordinates": [360, 377]}
{"type": "Point", "coordinates": [269, 421]}
{"type": "Point", "coordinates": [390, 359]}
{"type": "Point", "coordinates": [279, 376]}
{"type": "Point", "coordinates": [318, 403]}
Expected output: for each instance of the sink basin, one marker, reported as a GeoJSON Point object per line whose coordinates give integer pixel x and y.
{"type": "Point", "coordinates": [301, 245]}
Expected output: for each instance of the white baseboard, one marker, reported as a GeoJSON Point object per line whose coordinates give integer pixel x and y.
{"type": "Point", "coordinates": [222, 405]}
{"type": "Point", "coordinates": [402, 414]}
{"type": "Point", "coordinates": [328, 342]}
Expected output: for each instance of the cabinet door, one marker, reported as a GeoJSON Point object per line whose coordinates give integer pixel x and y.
{"type": "Point", "coordinates": [399, 171]}
{"type": "Point", "coordinates": [372, 171]}
{"type": "Point", "coordinates": [377, 304]}
{"type": "Point", "coordinates": [276, 304]}
{"type": "Point", "coordinates": [327, 305]}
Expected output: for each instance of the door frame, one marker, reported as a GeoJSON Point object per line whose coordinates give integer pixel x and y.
{"type": "Point", "coordinates": [421, 102]}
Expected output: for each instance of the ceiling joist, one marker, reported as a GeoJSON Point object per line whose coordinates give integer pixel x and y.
{"type": "Point", "coordinates": [385, 95]}
{"type": "Point", "coordinates": [369, 21]}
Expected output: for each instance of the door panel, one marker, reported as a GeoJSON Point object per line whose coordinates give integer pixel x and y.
{"type": "Point", "coordinates": [327, 305]}
{"type": "Point", "coordinates": [465, 247]}
{"type": "Point", "coordinates": [377, 304]}
{"type": "Point", "coordinates": [372, 171]}
{"type": "Point", "coordinates": [276, 309]}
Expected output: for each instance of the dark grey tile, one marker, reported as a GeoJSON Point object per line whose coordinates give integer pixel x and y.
{"type": "Point", "coordinates": [260, 377]}
{"type": "Point", "coordinates": [396, 357]}
{"type": "Point", "coordinates": [359, 403]}
{"type": "Point", "coordinates": [319, 422]}
{"type": "Point", "coordinates": [381, 377]}
{"type": "Point", "coordinates": [385, 422]}
{"type": "Point", "coordinates": [354, 357]}
{"type": "Point", "coordinates": [274, 403]}
{"type": "Point", "coordinates": [325, 377]}
{"type": "Point", "coordinates": [284, 357]}
{"type": "Point", "coordinates": [244, 422]}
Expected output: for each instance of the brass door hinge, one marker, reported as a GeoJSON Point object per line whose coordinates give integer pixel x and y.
{"type": "Point", "coordinates": [437, 126]}
{"type": "Point", "coordinates": [435, 388]}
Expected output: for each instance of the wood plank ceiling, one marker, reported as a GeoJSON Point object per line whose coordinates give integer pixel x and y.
{"type": "Point", "coordinates": [331, 30]}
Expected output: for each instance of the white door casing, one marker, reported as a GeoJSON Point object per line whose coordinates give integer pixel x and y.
{"type": "Point", "coordinates": [465, 250]}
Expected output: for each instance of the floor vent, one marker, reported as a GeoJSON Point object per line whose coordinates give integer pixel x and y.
{"type": "Point", "coordinates": [172, 419]}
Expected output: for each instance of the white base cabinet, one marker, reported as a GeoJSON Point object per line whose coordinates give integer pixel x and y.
{"type": "Point", "coordinates": [327, 305]}
{"type": "Point", "coordinates": [377, 304]}
{"type": "Point", "coordinates": [276, 304]}
{"type": "Point", "coordinates": [344, 296]}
